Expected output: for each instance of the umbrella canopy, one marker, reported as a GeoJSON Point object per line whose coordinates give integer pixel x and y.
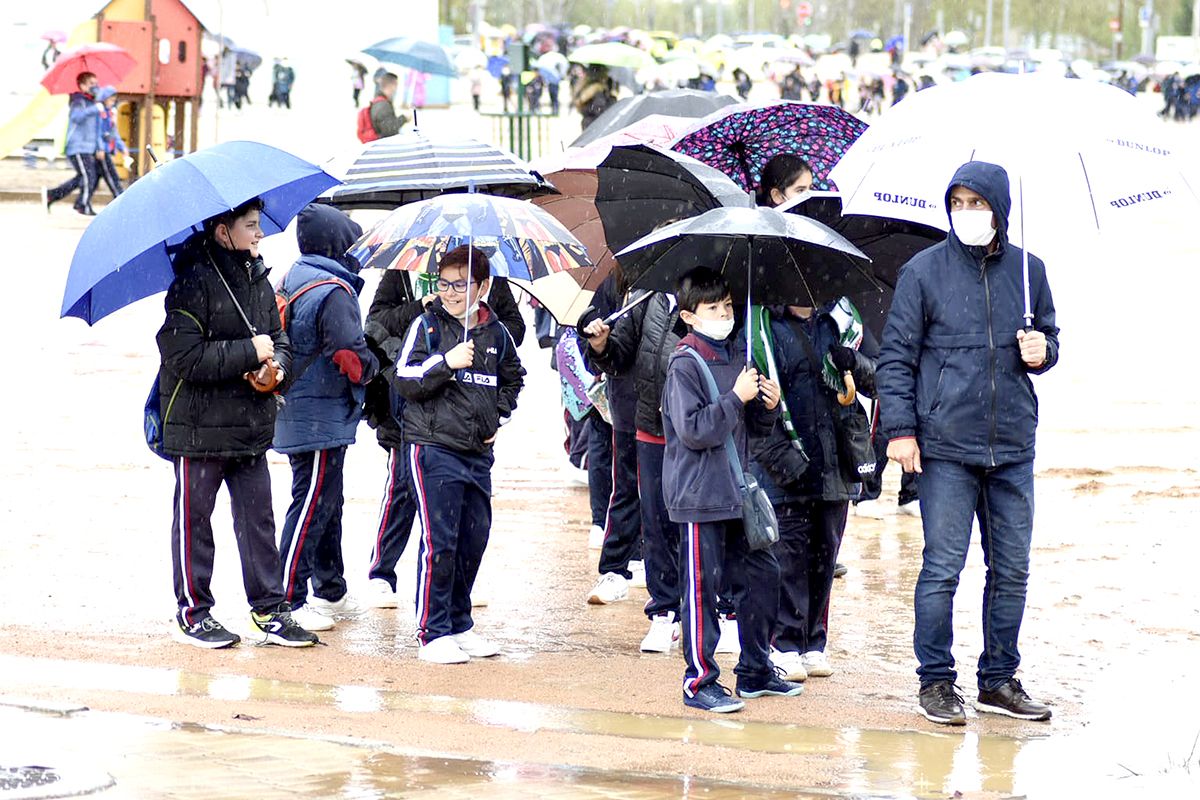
{"type": "Point", "coordinates": [791, 56]}
{"type": "Point", "coordinates": [567, 294]}
{"type": "Point", "coordinates": [768, 258]}
{"type": "Point", "coordinates": [673, 102]}
{"type": "Point", "coordinates": [656, 129]}
{"type": "Point", "coordinates": [124, 255]}
{"type": "Point", "coordinates": [247, 59]}
{"type": "Point", "coordinates": [108, 62]}
{"type": "Point", "coordinates": [56, 36]}
{"type": "Point", "coordinates": [740, 140]}
{"type": "Point", "coordinates": [612, 54]}
{"type": "Point", "coordinates": [415, 54]}
{"type": "Point", "coordinates": [399, 169]}
{"type": "Point", "coordinates": [555, 64]}
{"type": "Point", "coordinates": [528, 242]}
{"type": "Point", "coordinates": [642, 186]}
{"type": "Point", "coordinates": [496, 65]}
{"type": "Point", "coordinates": [888, 242]}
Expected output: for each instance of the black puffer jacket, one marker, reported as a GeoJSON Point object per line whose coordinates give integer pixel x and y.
{"type": "Point", "coordinates": [457, 409]}
{"type": "Point", "coordinates": [641, 344]}
{"type": "Point", "coordinates": [392, 312]}
{"type": "Point", "coordinates": [209, 408]}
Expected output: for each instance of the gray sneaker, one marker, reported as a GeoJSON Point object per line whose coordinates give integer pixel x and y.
{"type": "Point", "coordinates": [1011, 700]}
{"type": "Point", "coordinates": [941, 703]}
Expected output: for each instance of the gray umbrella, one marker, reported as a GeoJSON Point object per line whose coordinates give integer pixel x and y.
{"type": "Point", "coordinates": [672, 102]}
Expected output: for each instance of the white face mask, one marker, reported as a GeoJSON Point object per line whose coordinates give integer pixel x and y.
{"type": "Point", "coordinates": [973, 228]}
{"type": "Point", "coordinates": [716, 329]}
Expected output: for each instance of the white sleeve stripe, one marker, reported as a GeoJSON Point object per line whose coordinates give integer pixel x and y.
{"type": "Point", "coordinates": [403, 369]}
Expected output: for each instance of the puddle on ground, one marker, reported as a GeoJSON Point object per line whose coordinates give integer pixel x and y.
{"type": "Point", "coordinates": [894, 763]}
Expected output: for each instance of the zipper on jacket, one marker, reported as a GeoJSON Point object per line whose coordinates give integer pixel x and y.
{"type": "Point", "coordinates": [987, 294]}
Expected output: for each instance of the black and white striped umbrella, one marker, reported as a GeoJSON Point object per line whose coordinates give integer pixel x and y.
{"type": "Point", "coordinates": [400, 169]}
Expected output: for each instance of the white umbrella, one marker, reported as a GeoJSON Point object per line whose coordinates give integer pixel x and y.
{"type": "Point", "coordinates": [1082, 157]}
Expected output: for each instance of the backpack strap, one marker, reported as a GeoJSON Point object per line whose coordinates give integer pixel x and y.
{"type": "Point", "coordinates": [285, 315]}
{"type": "Point", "coordinates": [714, 394]}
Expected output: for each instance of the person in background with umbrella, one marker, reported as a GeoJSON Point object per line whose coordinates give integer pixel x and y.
{"type": "Point", "coordinates": [800, 463]}
{"type": "Point", "coordinates": [383, 117]}
{"type": "Point", "coordinates": [476, 87]}
{"type": "Point", "coordinates": [595, 94]}
{"type": "Point", "coordinates": [322, 408]}
{"type": "Point", "coordinates": [959, 408]}
{"type": "Point", "coordinates": [51, 53]}
{"type": "Point", "coordinates": [216, 384]}
{"type": "Point", "coordinates": [460, 376]}
{"type": "Point", "coordinates": [358, 80]}
{"type": "Point", "coordinates": [110, 138]}
{"type": "Point", "coordinates": [229, 72]}
{"type": "Point", "coordinates": [742, 83]}
{"type": "Point", "coordinates": [85, 150]}
{"type": "Point", "coordinates": [704, 496]}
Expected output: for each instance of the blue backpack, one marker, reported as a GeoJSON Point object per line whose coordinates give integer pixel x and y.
{"type": "Point", "coordinates": [153, 418]}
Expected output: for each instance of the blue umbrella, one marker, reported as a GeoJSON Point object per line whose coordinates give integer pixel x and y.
{"type": "Point", "coordinates": [414, 54]}
{"type": "Point", "coordinates": [125, 254]}
{"type": "Point", "coordinates": [496, 65]}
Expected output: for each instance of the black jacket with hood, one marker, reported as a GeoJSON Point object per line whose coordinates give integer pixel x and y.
{"type": "Point", "coordinates": [950, 370]}
{"type": "Point", "coordinates": [209, 408]}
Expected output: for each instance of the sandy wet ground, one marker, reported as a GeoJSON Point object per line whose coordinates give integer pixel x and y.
{"type": "Point", "coordinates": [1110, 636]}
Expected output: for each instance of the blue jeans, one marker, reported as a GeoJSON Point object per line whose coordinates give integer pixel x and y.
{"type": "Point", "coordinates": [1002, 498]}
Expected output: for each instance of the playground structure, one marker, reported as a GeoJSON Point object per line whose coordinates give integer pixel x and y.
{"type": "Point", "coordinates": [162, 93]}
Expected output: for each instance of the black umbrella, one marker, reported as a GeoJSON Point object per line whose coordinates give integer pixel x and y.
{"type": "Point", "coordinates": [889, 243]}
{"type": "Point", "coordinates": [642, 186]}
{"type": "Point", "coordinates": [673, 102]}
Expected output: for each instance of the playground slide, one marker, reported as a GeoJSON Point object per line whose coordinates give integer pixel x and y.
{"type": "Point", "coordinates": [46, 115]}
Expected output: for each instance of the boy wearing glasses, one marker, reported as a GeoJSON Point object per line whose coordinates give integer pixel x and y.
{"type": "Point", "coordinates": [459, 389]}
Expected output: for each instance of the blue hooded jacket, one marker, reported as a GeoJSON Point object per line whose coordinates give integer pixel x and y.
{"type": "Point", "coordinates": [950, 371]}
{"type": "Point", "coordinates": [330, 359]}
{"type": "Point", "coordinates": [83, 126]}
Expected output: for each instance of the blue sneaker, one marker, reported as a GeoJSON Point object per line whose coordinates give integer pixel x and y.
{"type": "Point", "coordinates": [715, 698]}
{"type": "Point", "coordinates": [772, 684]}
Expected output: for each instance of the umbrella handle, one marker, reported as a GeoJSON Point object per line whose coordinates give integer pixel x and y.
{"type": "Point", "coordinates": [851, 391]}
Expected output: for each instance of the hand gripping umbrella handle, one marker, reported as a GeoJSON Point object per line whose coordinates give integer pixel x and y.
{"type": "Point", "coordinates": [851, 391]}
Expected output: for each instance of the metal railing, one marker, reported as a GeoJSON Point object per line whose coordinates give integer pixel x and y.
{"type": "Point", "coordinates": [525, 133]}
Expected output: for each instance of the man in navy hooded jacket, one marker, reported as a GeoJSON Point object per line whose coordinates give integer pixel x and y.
{"type": "Point", "coordinates": [321, 410]}
{"type": "Point", "coordinates": [959, 407]}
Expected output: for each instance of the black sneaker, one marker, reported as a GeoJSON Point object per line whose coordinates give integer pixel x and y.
{"type": "Point", "coordinates": [941, 703]}
{"type": "Point", "coordinates": [206, 633]}
{"type": "Point", "coordinates": [772, 684]}
{"type": "Point", "coordinates": [1011, 700]}
{"type": "Point", "coordinates": [281, 629]}
{"type": "Point", "coordinates": [839, 570]}
{"type": "Point", "coordinates": [715, 698]}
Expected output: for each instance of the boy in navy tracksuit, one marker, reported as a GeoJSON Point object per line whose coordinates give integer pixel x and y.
{"type": "Point", "coordinates": [322, 408]}
{"type": "Point", "coordinates": [458, 390]}
{"type": "Point", "coordinates": [703, 494]}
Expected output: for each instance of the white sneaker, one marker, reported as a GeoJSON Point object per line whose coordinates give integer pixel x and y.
{"type": "Point", "coordinates": [478, 598]}
{"type": "Point", "coordinates": [611, 588]}
{"type": "Point", "coordinates": [576, 475]}
{"type": "Point", "coordinates": [638, 570]}
{"type": "Point", "coordinates": [475, 645]}
{"type": "Point", "coordinates": [347, 606]}
{"type": "Point", "coordinates": [443, 650]}
{"type": "Point", "coordinates": [729, 642]}
{"type": "Point", "coordinates": [595, 538]}
{"type": "Point", "coordinates": [816, 663]}
{"type": "Point", "coordinates": [380, 595]}
{"type": "Point", "coordinates": [871, 509]}
{"type": "Point", "coordinates": [664, 632]}
{"type": "Point", "coordinates": [912, 509]}
{"type": "Point", "coordinates": [45, 199]}
{"type": "Point", "coordinates": [790, 663]}
{"type": "Point", "coordinates": [311, 620]}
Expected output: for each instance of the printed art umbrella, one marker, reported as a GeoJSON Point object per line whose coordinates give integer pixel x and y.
{"type": "Point", "coordinates": [672, 102]}
{"type": "Point", "coordinates": [740, 140]}
{"type": "Point", "coordinates": [1097, 161]}
{"type": "Point", "coordinates": [125, 253]}
{"type": "Point", "coordinates": [108, 62]}
{"type": "Point", "coordinates": [415, 54]}
{"type": "Point", "coordinates": [399, 169]}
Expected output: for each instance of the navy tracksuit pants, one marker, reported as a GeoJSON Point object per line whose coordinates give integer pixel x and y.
{"type": "Point", "coordinates": [86, 174]}
{"type": "Point", "coordinates": [599, 467]}
{"type": "Point", "coordinates": [197, 481]}
{"type": "Point", "coordinates": [397, 511]}
{"type": "Point", "coordinates": [311, 543]}
{"type": "Point", "coordinates": [454, 505]}
{"type": "Point", "coordinates": [622, 520]}
{"type": "Point", "coordinates": [708, 552]}
{"type": "Point", "coordinates": [660, 536]}
{"type": "Point", "coordinates": [810, 535]}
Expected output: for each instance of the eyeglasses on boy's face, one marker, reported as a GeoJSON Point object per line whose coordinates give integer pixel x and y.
{"type": "Point", "coordinates": [460, 286]}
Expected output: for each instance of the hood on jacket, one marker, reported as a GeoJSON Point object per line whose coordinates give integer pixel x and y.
{"type": "Point", "coordinates": [105, 92]}
{"type": "Point", "coordinates": [989, 181]}
{"type": "Point", "coordinates": [323, 230]}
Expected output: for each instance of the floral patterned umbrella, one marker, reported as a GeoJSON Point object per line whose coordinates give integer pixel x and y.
{"type": "Point", "coordinates": [739, 140]}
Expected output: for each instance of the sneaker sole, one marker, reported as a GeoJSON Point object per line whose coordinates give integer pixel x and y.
{"type": "Point", "coordinates": [320, 627]}
{"type": "Point", "coordinates": [725, 709]}
{"type": "Point", "coordinates": [989, 709]}
{"type": "Point", "coordinates": [271, 638]}
{"type": "Point", "coordinates": [429, 660]}
{"type": "Point", "coordinates": [820, 673]}
{"type": "Point", "coordinates": [183, 638]}
{"type": "Point", "coordinates": [799, 690]}
{"type": "Point", "coordinates": [794, 677]}
{"type": "Point", "coordinates": [597, 600]}
{"type": "Point", "coordinates": [942, 720]}
{"type": "Point", "coordinates": [383, 603]}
